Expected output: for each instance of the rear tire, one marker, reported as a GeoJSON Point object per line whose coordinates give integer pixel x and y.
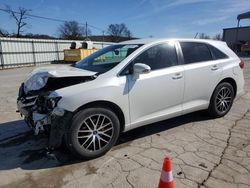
{"type": "Point", "coordinates": [222, 100]}
{"type": "Point", "coordinates": [93, 132]}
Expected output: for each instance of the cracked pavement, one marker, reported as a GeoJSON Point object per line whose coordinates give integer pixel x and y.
{"type": "Point", "coordinates": [204, 152]}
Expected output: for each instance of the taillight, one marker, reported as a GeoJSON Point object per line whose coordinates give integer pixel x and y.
{"type": "Point", "coordinates": [242, 64]}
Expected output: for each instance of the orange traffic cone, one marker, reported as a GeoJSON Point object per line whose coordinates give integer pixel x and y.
{"type": "Point", "coordinates": [166, 180]}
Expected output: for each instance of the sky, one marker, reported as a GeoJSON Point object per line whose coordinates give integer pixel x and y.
{"type": "Point", "coordinates": [144, 18]}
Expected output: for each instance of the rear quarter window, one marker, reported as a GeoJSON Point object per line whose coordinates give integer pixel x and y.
{"type": "Point", "coordinates": [194, 52]}
{"type": "Point", "coordinates": [216, 53]}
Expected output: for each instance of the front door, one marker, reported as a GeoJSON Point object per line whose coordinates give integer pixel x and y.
{"type": "Point", "coordinates": [156, 95]}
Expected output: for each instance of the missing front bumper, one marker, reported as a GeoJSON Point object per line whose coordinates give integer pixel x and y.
{"type": "Point", "coordinates": [59, 127]}
{"type": "Point", "coordinates": [55, 124]}
{"type": "Point", "coordinates": [40, 120]}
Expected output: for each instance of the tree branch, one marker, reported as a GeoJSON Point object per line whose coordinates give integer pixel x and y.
{"type": "Point", "coordinates": [19, 17]}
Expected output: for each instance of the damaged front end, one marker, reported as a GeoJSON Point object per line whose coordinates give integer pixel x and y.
{"type": "Point", "coordinates": [42, 115]}
{"type": "Point", "coordinates": [37, 102]}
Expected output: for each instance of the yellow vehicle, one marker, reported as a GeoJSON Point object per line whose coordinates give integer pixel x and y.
{"type": "Point", "coordinates": [246, 47]}
{"type": "Point", "coordinates": [73, 55]}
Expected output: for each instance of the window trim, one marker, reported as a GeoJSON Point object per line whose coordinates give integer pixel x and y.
{"type": "Point", "coordinates": [177, 56]}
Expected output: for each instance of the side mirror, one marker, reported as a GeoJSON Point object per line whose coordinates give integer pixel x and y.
{"type": "Point", "coordinates": [140, 68]}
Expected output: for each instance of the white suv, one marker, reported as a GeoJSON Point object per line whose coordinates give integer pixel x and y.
{"type": "Point", "coordinates": [128, 85]}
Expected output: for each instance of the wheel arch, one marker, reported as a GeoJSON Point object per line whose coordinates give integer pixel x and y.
{"type": "Point", "coordinates": [228, 80]}
{"type": "Point", "coordinates": [106, 104]}
{"type": "Point", "coordinates": [232, 82]}
{"type": "Point", "coordinates": [212, 109]}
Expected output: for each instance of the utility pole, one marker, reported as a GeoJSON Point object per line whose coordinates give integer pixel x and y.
{"type": "Point", "coordinates": [196, 35]}
{"type": "Point", "coordinates": [102, 38]}
{"type": "Point", "coordinates": [86, 28]}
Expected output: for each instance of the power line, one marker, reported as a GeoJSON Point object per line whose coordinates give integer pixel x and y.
{"type": "Point", "coordinates": [34, 16]}
{"type": "Point", "coordinates": [97, 28]}
{"type": "Point", "coordinates": [51, 19]}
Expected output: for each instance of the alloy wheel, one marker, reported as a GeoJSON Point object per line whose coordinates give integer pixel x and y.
{"type": "Point", "coordinates": [95, 132]}
{"type": "Point", "coordinates": [224, 99]}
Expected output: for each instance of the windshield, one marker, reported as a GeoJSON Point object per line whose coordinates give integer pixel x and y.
{"type": "Point", "coordinates": [107, 58]}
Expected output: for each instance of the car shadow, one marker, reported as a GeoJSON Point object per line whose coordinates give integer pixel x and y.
{"type": "Point", "coordinates": [156, 128]}
{"type": "Point", "coordinates": [20, 148]}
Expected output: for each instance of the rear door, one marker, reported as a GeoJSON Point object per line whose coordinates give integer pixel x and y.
{"type": "Point", "coordinates": [201, 73]}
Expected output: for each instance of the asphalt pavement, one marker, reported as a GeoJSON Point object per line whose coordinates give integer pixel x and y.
{"type": "Point", "coordinates": [204, 152]}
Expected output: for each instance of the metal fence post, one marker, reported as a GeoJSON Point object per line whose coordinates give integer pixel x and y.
{"type": "Point", "coordinates": [33, 52]}
{"type": "Point", "coordinates": [1, 55]}
{"type": "Point", "coordinates": [57, 50]}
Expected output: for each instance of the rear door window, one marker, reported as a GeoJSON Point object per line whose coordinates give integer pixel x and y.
{"type": "Point", "coordinates": [194, 52]}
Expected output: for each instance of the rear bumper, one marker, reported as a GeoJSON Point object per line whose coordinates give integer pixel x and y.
{"type": "Point", "coordinates": [240, 81]}
{"type": "Point", "coordinates": [239, 94]}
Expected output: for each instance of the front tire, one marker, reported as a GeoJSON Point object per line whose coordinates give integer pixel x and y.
{"type": "Point", "coordinates": [93, 132]}
{"type": "Point", "coordinates": [222, 100]}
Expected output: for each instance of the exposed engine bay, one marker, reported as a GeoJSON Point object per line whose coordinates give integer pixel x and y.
{"type": "Point", "coordinates": [37, 102]}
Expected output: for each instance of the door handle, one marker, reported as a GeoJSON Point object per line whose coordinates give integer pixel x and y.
{"type": "Point", "coordinates": [177, 76]}
{"type": "Point", "coordinates": [214, 68]}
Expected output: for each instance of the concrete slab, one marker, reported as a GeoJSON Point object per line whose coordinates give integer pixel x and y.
{"type": "Point", "coordinates": [205, 152]}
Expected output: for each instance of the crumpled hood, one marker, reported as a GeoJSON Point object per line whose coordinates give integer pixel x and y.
{"type": "Point", "coordinates": [38, 78]}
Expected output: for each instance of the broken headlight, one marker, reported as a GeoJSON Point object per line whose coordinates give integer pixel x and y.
{"type": "Point", "coordinates": [52, 102]}
{"type": "Point", "coordinates": [35, 82]}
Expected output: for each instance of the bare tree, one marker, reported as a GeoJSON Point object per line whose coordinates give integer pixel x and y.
{"type": "Point", "coordinates": [4, 33]}
{"type": "Point", "coordinates": [38, 36]}
{"type": "Point", "coordinates": [204, 36]}
{"type": "Point", "coordinates": [19, 16]}
{"type": "Point", "coordinates": [119, 30]}
{"type": "Point", "coordinates": [217, 37]}
{"type": "Point", "coordinates": [72, 30]}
